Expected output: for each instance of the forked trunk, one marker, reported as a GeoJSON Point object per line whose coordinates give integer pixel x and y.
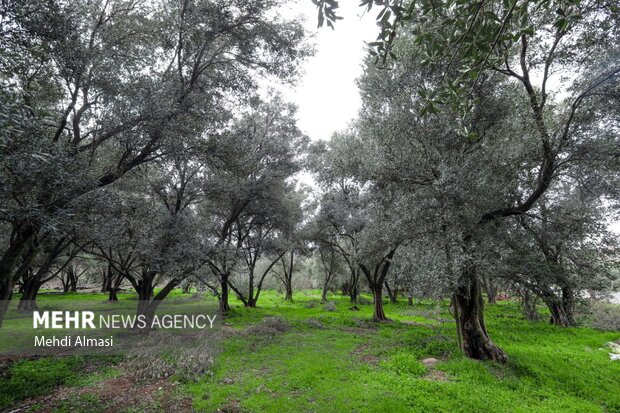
{"type": "Point", "coordinates": [353, 294]}
{"type": "Point", "coordinates": [468, 305]}
{"type": "Point", "coordinates": [559, 317]}
{"type": "Point", "coordinates": [148, 304]}
{"type": "Point", "coordinates": [378, 313]}
{"type": "Point", "coordinates": [28, 301]}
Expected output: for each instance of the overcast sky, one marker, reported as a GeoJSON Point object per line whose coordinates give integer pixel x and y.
{"type": "Point", "coordinates": [327, 96]}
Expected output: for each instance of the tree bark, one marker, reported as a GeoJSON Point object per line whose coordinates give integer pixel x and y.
{"type": "Point", "coordinates": [378, 313]}
{"type": "Point", "coordinates": [28, 300]}
{"type": "Point", "coordinates": [529, 304]}
{"type": "Point", "coordinates": [469, 313]}
{"type": "Point", "coordinates": [353, 294]}
{"type": "Point", "coordinates": [288, 276]}
{"type": "Point", "coordinates": [491, 290]}
{"type": "Point", "coordinates": [145, 291]}
{"type": "Point", "coordinates": [224, 305]}
{"type": "Point", "coordinates": [568, 303]}
{"type": "Point", "coordinates": [376, 279]}
{"type": "Point", "coordinates": [288, 296]}
{"type": "Point", "coordinates": [148, 304]}
{"type": "Point", "coordinates": [559, 307]}
{"type": "Point", "coordinates": [8, 263]}
{"type": "Point", "coordinates": [558, 315]}
{"type": "Point", "coordinates": [392, 293]}
{"type": "Point", "coordinates": [324, 294]}
{"type": "Point", "coordinates": [410, 301]}
{"type": "Point", "coordinates": [353, 284]}
{"type": "Point", "coordinates": [250, 302]}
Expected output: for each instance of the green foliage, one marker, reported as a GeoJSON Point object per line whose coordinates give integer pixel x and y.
{"type": "Point", "coordinates": [404, 363]}
{"type": "Point", "coordinates": [351, 364]}
{"type": "Point", "coordinates": [467, 39]}
{"type": "Point", "coordinates": [310, 369]}
{"type": "Point", "coordinates": [31, 378]}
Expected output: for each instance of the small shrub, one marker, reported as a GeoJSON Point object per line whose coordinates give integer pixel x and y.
{"type": "Point", "coordinates": [330, 306]}
{"type": "Point", "coordinates": [604, 316]}
{"type": "Point", "coordinates": [404, 364]}
{"type": "Point", "coordinates": [314, 323]}
{"type": "Point", "coordinates": [270, 325]}
{"type": "Point", "coordinates": [31, 378]}
{"type": "Point", "coordinates": [438, 347]}
{"type": "Point", "coordinates": [311, 304]}
{"type": "Point", "coordinates": [363, 301]}
{"type": "Point", "coordinates": [364, 323]}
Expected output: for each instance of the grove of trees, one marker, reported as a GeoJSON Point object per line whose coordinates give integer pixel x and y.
{"type": "Point", "coordinates": [139, 149]}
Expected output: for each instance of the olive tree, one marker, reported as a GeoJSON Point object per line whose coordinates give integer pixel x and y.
{"type": "Point", "coordinates": [95, 90]}
{"type": "Point", "coordinates": [493, 163]}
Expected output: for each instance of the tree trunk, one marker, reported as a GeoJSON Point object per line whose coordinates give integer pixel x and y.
{"type": "Point", "coordinates": [469, 314]}
{"type": "Point", "coordinates": [6, 292]}
{"type": "Point", "coordinates": [288, 276]}
{"type": "Point", "coordinates": [378, 313]}
{"type": "Point", "coordinates": [288, 296]}
{"type": "Point", "coordinates": [73, 280]}
{"type": "Point", "coordinates": [324, 294]}
{"type": "Point", "coordinates": [8, 264]}
{"type": "Point", "coordinates": [250, 301]}
{"type": "Point", "coordinates": [65, 286]}
{"type": "Point", "coordinates": [28, 301]}
{"type": "Point", "coordinates": [529, 304]}
{"type": "Point", "coordinates": [352, 285]}
{"type": "Point", "coordinates": [114, 285]}
{"type": "Point", "coordinates": [353, 294]}
{"type": "Point", "coordinates": [106, 284]}
{"type": "Point", "coordinates": [568, 303]}
{"type": "Point", "coordinates": [410, 301]}
{"type": "Point", "coordinates": [224, 306]}
{"type": "Point", "coordinates": [147, 304]}
{"type": "Point", "coordinates": [144, 291]}
{"type": "Point", "coordinates": [558, 314]}
{"type": "Point", "coordinates": [491, 290]}
{"type": "Point", "coordinates": [392, 293]}
{"type": "Point", "coordinates": [558, 306]}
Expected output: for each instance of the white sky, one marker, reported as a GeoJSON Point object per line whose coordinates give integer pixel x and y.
{"type": "Point", "coordinates": [327, 96]}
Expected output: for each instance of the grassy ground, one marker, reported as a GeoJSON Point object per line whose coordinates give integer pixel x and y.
{"type": "Point", "coordinates": [313, 360]}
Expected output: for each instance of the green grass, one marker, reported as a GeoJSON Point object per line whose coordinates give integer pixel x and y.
{"type": "Point", "coordinates": [32, 378]}
{"type": "Point", "coordinates": [339, 362]}
{"type": "Point", "coordinates": [352, 365]}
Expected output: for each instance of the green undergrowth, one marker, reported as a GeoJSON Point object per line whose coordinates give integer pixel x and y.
{"type": "Point", "coordinates": [37, 377]}
{"type": "Point", "coordinates": [340, 362]}
{"type": "Point", "coordinates": [315, 360]}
